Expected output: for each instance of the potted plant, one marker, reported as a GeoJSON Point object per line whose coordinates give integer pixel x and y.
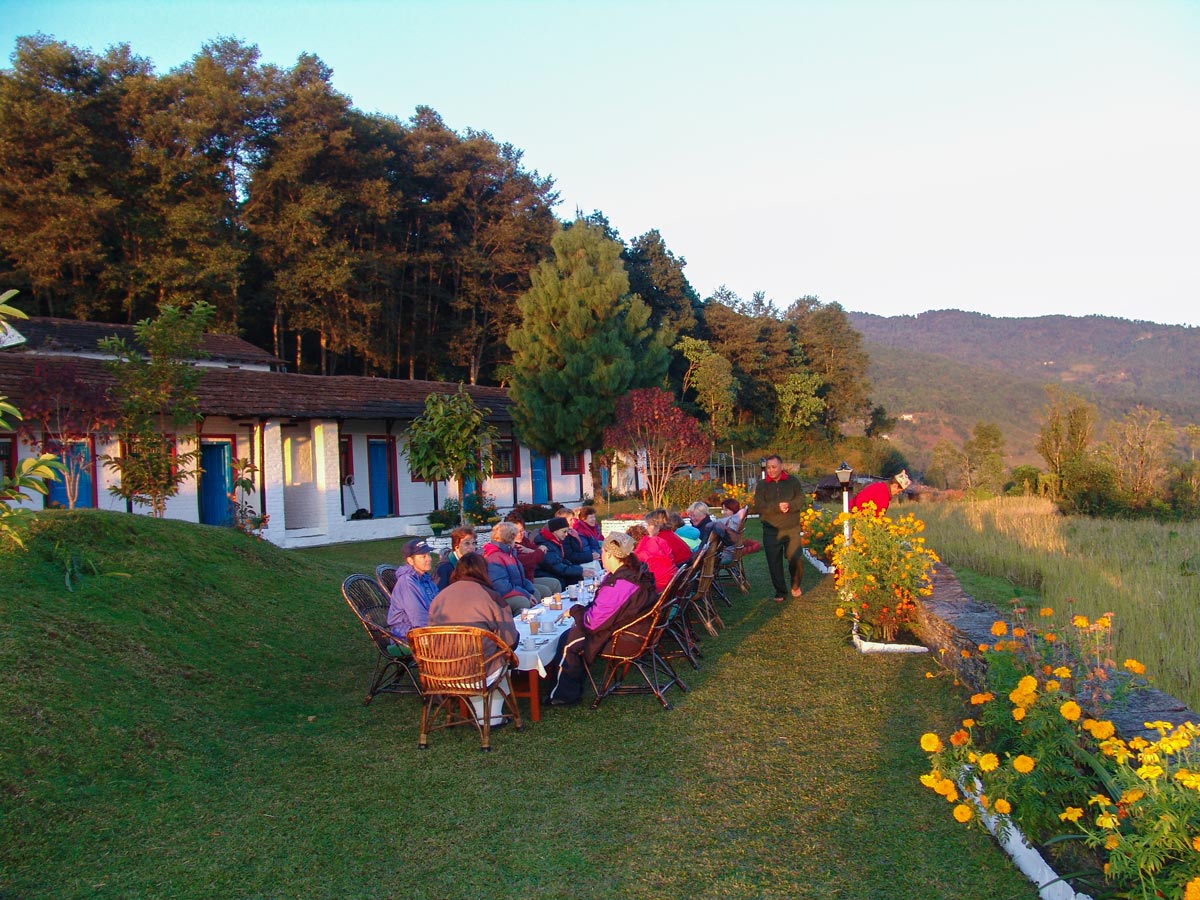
{"type": "Point", "coordinates": [440, 520]}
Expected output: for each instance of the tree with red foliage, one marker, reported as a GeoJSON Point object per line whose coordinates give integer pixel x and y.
{"type": "Point", "coordinates": [659, 435]}
{"type": "Point", "coordinates": [62, 414]}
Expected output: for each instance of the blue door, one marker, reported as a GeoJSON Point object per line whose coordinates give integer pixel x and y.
{"type": "Point", "coordinates": [216, 483]}
{"type": "Point", "coordinates": [537, 471]}
{"type": "Point", "coordinates": [379, 474]}
{"type": "Point", "coordinates": [80, 455]}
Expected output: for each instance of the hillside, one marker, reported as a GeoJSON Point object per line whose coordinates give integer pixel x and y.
{"type": "Point", "coordinates": [949, 369]}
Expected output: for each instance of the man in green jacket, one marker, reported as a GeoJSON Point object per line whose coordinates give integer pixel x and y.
{"type": "Point", "coordinates": [779, 500]}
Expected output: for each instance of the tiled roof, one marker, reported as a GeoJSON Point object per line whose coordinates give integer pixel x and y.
{"type": "Point", "coordinates": [51, 335]}
{"type": "Point", "coordinates": [249, 392]}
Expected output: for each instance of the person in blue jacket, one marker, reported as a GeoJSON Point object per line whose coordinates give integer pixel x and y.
{"type": "Point", "coordinates": [414, 590]}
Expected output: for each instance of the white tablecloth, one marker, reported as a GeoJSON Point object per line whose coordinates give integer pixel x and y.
{"type": "Point", "coordinates": [537, 651]}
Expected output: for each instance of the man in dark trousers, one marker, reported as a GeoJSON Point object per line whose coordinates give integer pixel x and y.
{"type": "Point", "coordinates": [779, 500]}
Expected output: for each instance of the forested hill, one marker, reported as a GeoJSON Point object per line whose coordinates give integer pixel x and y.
{"type": "Point", "coordinates": [956, 368]}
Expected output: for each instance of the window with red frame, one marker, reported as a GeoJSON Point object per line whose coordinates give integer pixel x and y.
{"type": "Point", "coordinates": [8, 456]}
{"type": "Point", "coordinates": [572, 463]}
{"type": "Point", "coordinates": [506, 457]}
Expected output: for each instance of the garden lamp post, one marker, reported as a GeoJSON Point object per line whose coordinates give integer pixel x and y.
{"type": "Point", "coordinates": [844, 473]}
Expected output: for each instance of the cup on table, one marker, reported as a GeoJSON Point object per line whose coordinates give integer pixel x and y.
{"type": "Point", "coordinates": [573, 592]}
{"type": "Point", "coordinates": [533, 626]}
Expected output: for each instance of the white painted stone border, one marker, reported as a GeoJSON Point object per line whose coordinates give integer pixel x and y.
{"type": "Point", "coordinates": [816, 563]}
{"type": "Point", "coordinates": [877, 647]}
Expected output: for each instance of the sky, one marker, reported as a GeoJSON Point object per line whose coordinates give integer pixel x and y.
{"type": "Point", "coordinates": [1015, 158]}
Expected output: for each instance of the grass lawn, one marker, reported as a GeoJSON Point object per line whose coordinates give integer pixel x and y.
{"type": "Point", "coordinates": [188, 723]}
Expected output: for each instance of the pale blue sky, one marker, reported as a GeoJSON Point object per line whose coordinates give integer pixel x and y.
{"type": "Point", "coordinates": [1015, 158]}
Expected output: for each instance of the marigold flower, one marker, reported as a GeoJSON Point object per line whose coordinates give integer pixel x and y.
{"type": "Point", "coordinates": [959, 738]}
{"type": "Point", "coordinates": [1196, 843]}
{"type": "Point", "coordinates": [1018, 713]}
{"type": "Point", "coordinates": [980, 699]}
{"type": "Point", "coordinates": [1003, 807]}
{"type": "Point", "coordinates": [988, 762]}
{"type": "Point", "coordinates": [1049, 637]}
{"type": "Point", "coordinates": [1080, 621]}
{"type": "Point", "coordinates": [1107, 820]}
{"type": "Point", "coordinates": [983, 648]}
{"type": "Point", "coordinates": [1112, 842]}
{"type": "Point", "coordinates": [1191, 890]}
{"type": "Point", "coordinates": [1099, 800]}
{"type": "Point", "coordinates": [930, 742]}
{"type": "Point", "coordinates": [1052, 685]}
{"type": "Point", "coordinates": [1150, 772]}
{"type": "Point", "coordinates": [1135, 667]}
{"type": "Point", "coordinates": [931, 780]}
{"type": "Point", "coordinates": [1071, 814]}
{"type": "Point", "coordinates": [962, 813]}
{"type": "Point", "coordinates": [1070, 711]}
{"type": "Point", "coordinates": [968, 723]}
{"type": "Point", "coordinates": [1133, 795]}
{"type": "Point", "coordinates": [1100, 730]}
{"type": "Point", "coordinates": [1062, 672]}
{"type": "Point", "coordinates": [1018, 632]}
{"type": "Point", "coordinates": [999, 629]}
{"type": "Point", "coordinates": [1024, 764]}
{"type": "Point", "coordinates": [965, 654]}
{"type": "Point", "coordinates": [1045, 612]}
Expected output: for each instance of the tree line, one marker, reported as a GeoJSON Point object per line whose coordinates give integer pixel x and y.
{"type": "Point", "coordinates": [354, 243]}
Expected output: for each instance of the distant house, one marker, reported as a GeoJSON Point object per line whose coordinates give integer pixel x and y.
{"type": "Point", "coordinates": [325, 446]}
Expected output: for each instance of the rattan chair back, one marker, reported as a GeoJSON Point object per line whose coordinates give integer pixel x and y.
{"type": "Point", "coordinates": [393, 666]}
{"type": "Point", "coordinates": [385, 575]}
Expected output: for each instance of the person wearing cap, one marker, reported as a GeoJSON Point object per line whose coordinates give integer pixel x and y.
{"type": "Point", "coordinates": [555, 563]}
{"type": "Point", "coordinates": [779, 499]}
{"type": "Point", "coordinates": [414, 590]}
{"type": "Point", "coordinates": [505, 570]}
{"type": "Point", "coordinates": [881, 493]}
{"type": "Point", "coordinates": [626, 591]}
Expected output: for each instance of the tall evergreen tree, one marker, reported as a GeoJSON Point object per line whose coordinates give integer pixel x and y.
{"type": "Point", "coordinates": [583, 342]}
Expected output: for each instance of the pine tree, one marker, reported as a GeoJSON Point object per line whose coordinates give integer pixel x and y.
{"type": "Point", "coordinates": [583, 342]}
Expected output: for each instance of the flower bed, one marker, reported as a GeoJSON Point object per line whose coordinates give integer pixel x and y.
{"type": "Point", "coordinates": [1045, 759]}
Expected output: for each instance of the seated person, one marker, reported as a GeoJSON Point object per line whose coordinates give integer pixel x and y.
{"type": "Point", "coordinates": [626, 592]}
{"type": "Point", "coordinates": [658, 519]}
{"type": "Point", "coordinates": [732, 526]}
{"type": "Point", "coordinates": [462, 541]}
{"type": "Point", "coordinates": [414, 590]}
{"type": "Point", "coordinates": [471, 600]}
{"type": "Point", "coordinates": [685, 530]}
{"type": "Point", "coordinates": [505, 571]}
{"type": "Point", "coordinates": [699, 517]}
{"type": "Point", "coordinates": [529, 555]}
{"type": "Point", "coordinates": [555, 563]}
{"type": "Point", "coordinates": [574, 546]}
{"type": "Point", "coordinates": [587, 526]}
{"type": "Point", "coordinates": [655, 553]}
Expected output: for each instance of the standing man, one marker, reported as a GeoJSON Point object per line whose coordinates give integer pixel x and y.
{"type": "Point", "coordinates": [779, 500]}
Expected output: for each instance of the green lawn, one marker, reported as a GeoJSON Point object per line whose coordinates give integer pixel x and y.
{"type": "Point", "coordinates": [193, 728]}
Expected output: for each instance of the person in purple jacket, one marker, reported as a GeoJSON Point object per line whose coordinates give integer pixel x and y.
{"type": "Point", "coordinates": [626, 592]}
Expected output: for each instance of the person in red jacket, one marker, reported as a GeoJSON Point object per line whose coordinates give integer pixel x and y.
{"type": "Point", "coordinates": [881, 493]}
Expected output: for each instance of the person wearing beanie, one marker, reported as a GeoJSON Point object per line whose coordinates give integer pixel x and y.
{"type": "Point", "coordinates": [555, 563]}
{"type": "Point", "coordinates": [626, 591]}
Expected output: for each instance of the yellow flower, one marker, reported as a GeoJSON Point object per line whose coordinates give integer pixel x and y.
{"type": "Point", "coordinates": [1196, 843]}
{"type": "Point", "coordinates": [999, 629]}
{"type": "Point", "coordinates": [980, 699]}
{"type": "Point", "coordinates": [1150, 772]}
{"type": "Point", "coordinates": [1018, 632]}
{"type": "Point", "coordinates": [1133, 795]}
{"type": "Point", "coordinates": [1003, 807]}
{"type": "Point", "coordinates": [1107, 820]}
{"type": "Point", "coordinates": [1018, 713]}
{"type": "Point", "coordinates": [1080, 621]}
{"type": "Point", "coordinates": [931, 780]}
{"type": "Point", "coordinates": [1052, 685]}
{"type": "Point", "coordinates": [1062, 672]}
{"type": "Point", "coordinates": [1112, 841]}
{"type": "Point", "coordinates": [968, 723]}
{"type": "Point", "coordinates": [1024, 764]}
{"type": "Point", "coordinates": [1099, 800]}
{"type": "Point", "coordinates": [988, 762]}
{"type": "Point", "coordinates": [839, 612]}
{"type": "Point", "coordinates": [1191, 890]}
{"type": "Point", "coordinates": [930, 742]}
{"type": "Point", "coordinates": [1070, 711]}
{"type": "Point", "coordinates": [1071, 814]}
{"type": "Point", "coordinates": [1100, 730]}
{"type": "Point", "coordinates": [962, 813]}
{"type": "Point", "coordinates": [1135, 667]}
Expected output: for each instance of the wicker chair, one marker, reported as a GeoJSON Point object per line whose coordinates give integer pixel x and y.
{"type": "Point", "coordinates": [701, 605]}
{"type": "Point", "coordinates": [635, 646]}
{"type": "Point", "coordinates": [679, 626]}
{"type": "Point", "coordinates": [731, 570]}
{"type": "Point", "coordinates": [394, 663]}
{"type": "Point", "coordinates": [385, 575]}
{"type": "Point", "coordinates": [454, 662]}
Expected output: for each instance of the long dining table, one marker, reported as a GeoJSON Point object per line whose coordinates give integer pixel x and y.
{"type": "Point", "coordinates": [535, 652]}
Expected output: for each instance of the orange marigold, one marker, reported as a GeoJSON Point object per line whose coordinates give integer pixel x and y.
{"type": "Point", "coordinates": [1024, 764]}
{"type": "Point", "coordinates": [1003, 807]}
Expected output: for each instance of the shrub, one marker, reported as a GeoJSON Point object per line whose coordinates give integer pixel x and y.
{"type": "Point", "coordinates": [480, 509]}
{"type": "Point", "coordinates": [681, 492]}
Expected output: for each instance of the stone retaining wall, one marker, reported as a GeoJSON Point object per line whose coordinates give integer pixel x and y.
{"type": "Point", "coordinates": [951, 621]}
